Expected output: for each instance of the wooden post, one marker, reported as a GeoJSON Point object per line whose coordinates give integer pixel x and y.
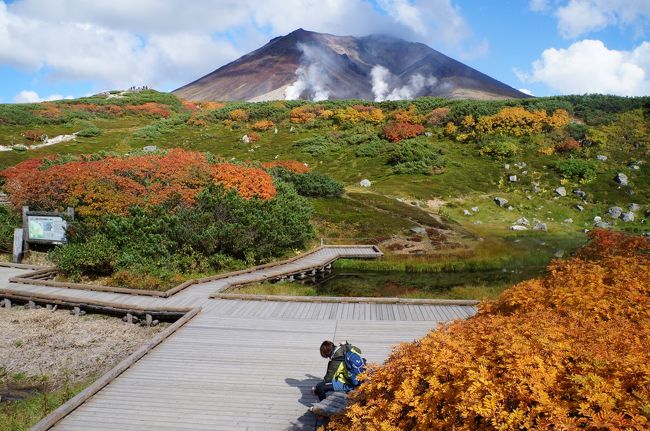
{"type": "Point", "coordinates": [17, 255]}
{"type": "Point", "coordinates": [25, 229]}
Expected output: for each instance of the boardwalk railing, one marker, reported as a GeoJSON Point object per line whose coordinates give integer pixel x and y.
{"type": "Point", "coordinates": [40, 276]}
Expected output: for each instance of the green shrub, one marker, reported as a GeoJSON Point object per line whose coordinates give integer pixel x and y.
{"type": "Point", "coordinates": [316, 146]}
{"type": "Point", "coordinates": [577, 169]}
{"type": "Point", "coordinates": [371, 149]}
{"type": "Point", "coordinates": [222, 231]}
{"type": "Point", "coordinates": [415, 156]}
{"type": "Point", "coordinates": [500, 149]}
{"type": "Point", "coordinates": [8, 221]}
{"type": "Point", "coordinates": [90, 131]}
{"type": "Point", "coordinates": [311, 184]}
{"type": "Point", "coordinates": [95, 256]}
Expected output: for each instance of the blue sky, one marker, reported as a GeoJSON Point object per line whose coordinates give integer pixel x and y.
{"type": "Point", "coordinates": [70, 48]}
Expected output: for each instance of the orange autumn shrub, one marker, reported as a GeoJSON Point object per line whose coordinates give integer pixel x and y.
{"type": "Point", "coordinates": [248, 181]}
{"type": "Point", "coordinates": [190, 105]}
{"type": "Point", "coordinates": [48, 110]}
{"type": "Point", "coordinates": [302, 114]}
{"type": "Point", "coordinates": [239, 115]}
{"type": "Point", "coordinates": [152, 109]}
{"type": "Point", "coordinates": [517, 121]}
{"type": "Point", "coordinates": [34, 135]}
{"type": "Point", "coordinates": [409, 115]}
{"type": "Point", "coordinates": [395, 132]}
{"type": "Point", "coordinates": [253, 136]}
{"type": "Point", "coordinates": [290, 165]}
{"type": "Point", "coordinates": [565, 352]}
{"type": "Point", "coordinates": [113, 184]}
{"type": "Point", "coordinates": [437, 117]}
{"type": "Point", "coordinates": [263, 125]}
{"type": "Point", "coordinates": [568, 145]}
{"type": "Point", "coordinates": [211, 106]}
{"type": "Point", "coordinates": [359, 113]}
{"type": "Point", "coordinates": [113, 110]}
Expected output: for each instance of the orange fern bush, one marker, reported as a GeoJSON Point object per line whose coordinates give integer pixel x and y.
{"type": "Point", "coordinates": [565, 352]}
{"type": "Point", "coordinates": [113, 185]}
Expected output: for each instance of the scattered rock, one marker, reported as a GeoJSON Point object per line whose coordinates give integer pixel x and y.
{"type": "Point", "coordinates": [635, 167]}
{"type": "Point", "coordinates": [245, 139]}
{"type": "Point", "coordinates": [628, 216]}
{"type": "Point", "coordinates": [275, 131]}
{"type": "Point", "coordinates": [536, 188]}
{"type": "Point", "coordinates": [621, 178]}
{"type": "Point", "coordinates": [523, 221]}
{"type": "Point", "coordinates": [561, 191]}
{"type": "Point", "coordinates": [365, 183]}
{"type": "Point", "coordinates": [603, 225]}
{"type": "Point", "coordinates": [501, 201]}
{"type": "Point", "coordinates": [579, 193]}
{"type": "Point", "coordinates": [559, 254]}
{"type": "Point", "coordinates": [634, 207]}
{"type": "Point", "coordinates": [292, 129]}
{"type": "Point", "coordinates": [419, 230]}
{"type": "Point", "coordinates": [467, 213]}
{"type": "Point", "coordinates": [510, 208]}
{"type": "Point", "coordinates": [615, 212]}
{"type": "Point", "coordinates": [598, 219]}
{"type": "Point", "coordinates": [506, 166]}
{"type": "Point", "coordinates": [478, 222]}
{"type": "Point", "coordinates": [475, 209]}
{"type": "Point", "coordinates": [428, 134]}
{"type": "Point", "coordinates": [512, 178]}
{"type": "Point", "coordinates": [568, 220]}
{"type": "Point", "coordinates": [520, 165]}
{"type": "Point", "coordinates": [150, 149]}
{"type": "Point", "coordinates": [601, 157]}
{"type": "Point", "coordinates": [580, 208]}
{"type": "Point", "coordinates": [540, 226]}
{"type": "Point", "coordinates": [518, 227]}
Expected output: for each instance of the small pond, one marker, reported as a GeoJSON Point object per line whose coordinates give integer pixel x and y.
{"type": "Point", "coordinates": [454, 285]}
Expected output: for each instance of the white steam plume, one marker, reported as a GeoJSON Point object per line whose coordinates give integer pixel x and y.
{"type": "Point", "coordinates": [382, 81]}
{"type": "Point", "coordinates": [310, 76]}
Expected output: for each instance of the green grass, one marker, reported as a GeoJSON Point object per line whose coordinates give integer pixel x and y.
{"type": "Point", "coordinates": [22, 415]}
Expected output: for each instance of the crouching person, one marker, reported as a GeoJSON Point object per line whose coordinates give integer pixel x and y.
{"type": "Point", "coordinates": [344, 366]}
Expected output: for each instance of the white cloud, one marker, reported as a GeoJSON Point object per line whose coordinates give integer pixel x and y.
{"type": "Point", "coordinates": [526, 91]}
{"type": "Point", "coordinates": [168, 43]}
{"type": "Point", "coordinates": [539, 5]}
{"type": "Point", "coordinates": [578, 17]}
{"type": "Point", "coordinates": [588, 66]}
{"type": "Point", "coordinates": [29, 96]}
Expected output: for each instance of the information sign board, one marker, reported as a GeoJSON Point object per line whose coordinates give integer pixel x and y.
{"type": "Point", "coordinates": [46, 228]}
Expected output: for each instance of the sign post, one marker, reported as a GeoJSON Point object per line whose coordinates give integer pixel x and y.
{"type": "Point", "coordinates": [41, 227]}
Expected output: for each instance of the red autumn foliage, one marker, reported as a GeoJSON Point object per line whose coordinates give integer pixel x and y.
{"type": "Point", "coordinates": [150, 108]}
{"type": "Point", "coordinates": [114, 184]}
{"type": "Point", "coordinates": [34, 135]}
{"type": "Point", "coordinates": [290, 165]}
{"type": "Point", "coordinates": [253, 136]}
{"type": "Point", "coordinates": [113, 110]}
{"type": "Point", "coordinates": [568, 145]}
{"type": "Point", "coordinates": [48, 110]}
{"type": "Point", "coordinates": [190, 106]}
{"type": "Point", "coordinates": [395, 132]}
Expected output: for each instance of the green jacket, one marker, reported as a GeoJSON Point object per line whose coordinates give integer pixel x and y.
{"type": "Point", "coordinates": [336, 369]}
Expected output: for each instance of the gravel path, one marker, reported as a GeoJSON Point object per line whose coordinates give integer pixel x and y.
{"type": "Point", "coordinates": [65, 347]}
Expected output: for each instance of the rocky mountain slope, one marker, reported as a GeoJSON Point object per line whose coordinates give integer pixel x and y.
{"type": "Point", "coordinates": [317, 66]}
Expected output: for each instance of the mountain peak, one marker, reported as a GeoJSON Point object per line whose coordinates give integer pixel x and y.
{"type": "Point", "coordinates": [310, 65]}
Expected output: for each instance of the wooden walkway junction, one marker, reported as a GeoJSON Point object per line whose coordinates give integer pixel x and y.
{"type": "Point", "coordinates": [233, 364]}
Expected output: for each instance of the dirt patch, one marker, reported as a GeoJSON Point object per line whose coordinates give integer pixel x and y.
{"type": "Point", "coordinates": [62, 347]}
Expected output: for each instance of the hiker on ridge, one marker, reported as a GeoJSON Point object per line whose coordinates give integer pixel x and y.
{"type": "Point", "coordinates": [345, 364]}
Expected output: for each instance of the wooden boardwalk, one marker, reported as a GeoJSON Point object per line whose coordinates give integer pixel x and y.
{"type": "Point", "coordinates": [239, 364]}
